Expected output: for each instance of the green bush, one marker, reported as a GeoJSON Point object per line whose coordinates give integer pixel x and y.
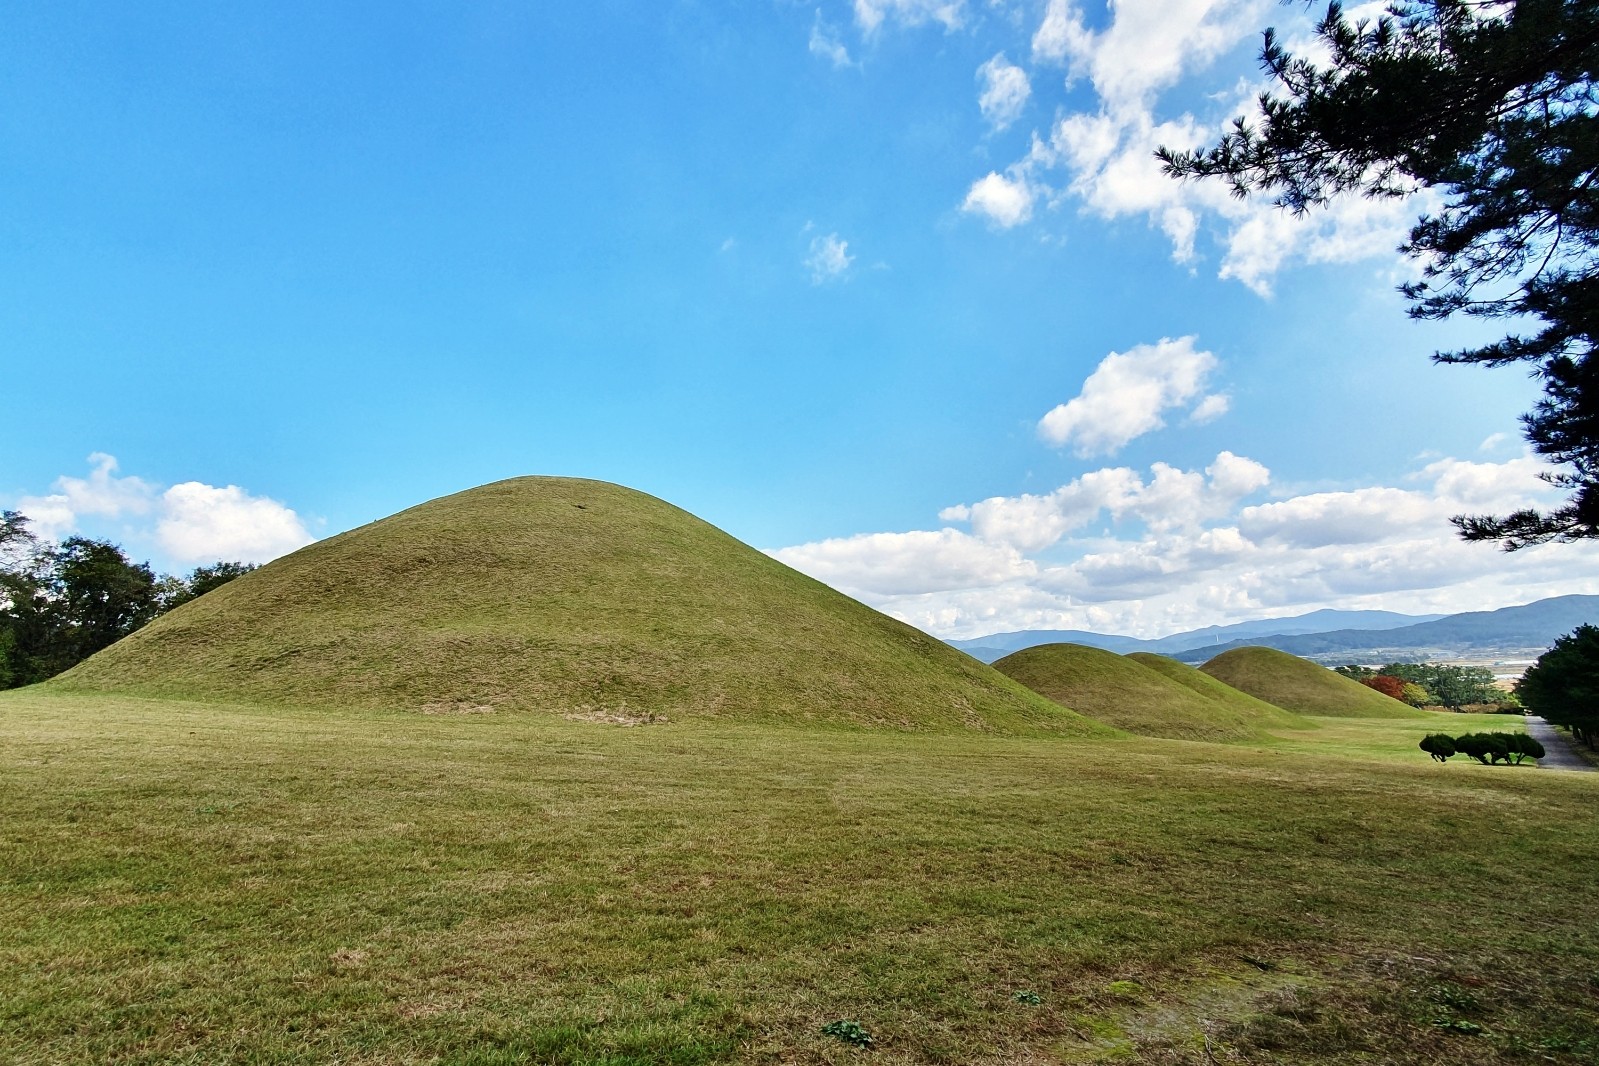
{"type": "Point", "coordinates": [1439, 745]}
{"type": "Point", "coordinates": [1522, 745]}
{"type": "Point", "coordinates": [1486, 748]}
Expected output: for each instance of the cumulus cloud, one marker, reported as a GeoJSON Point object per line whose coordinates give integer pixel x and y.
{"type": "Point", "coordinates": [1127, 394]}
{"type": "Point", "coordinates": [1116, 550]}
{"type": "Point", "coordinates": [202, 522]}
{"type": "Point", "coordinates": [829, 259]}
{"type": "Point", "coordinates": [192, 522]}
{"type": "Point", "coordinates": [102, 494]}
{"type": "Point", "coordinates": [1004, 201]}
{"type": "Point", "coordinates": [1004, 92]}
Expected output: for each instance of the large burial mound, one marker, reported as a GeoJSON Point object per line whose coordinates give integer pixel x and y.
{"type": "Point", "coordinates": [1300, 685]}
{"type": "Point", "coordinates": [559, 595]}
{"type": "Point", "coordinates": [1129, 695]}
{"type": "Point", "coordinates": [1245, 707]}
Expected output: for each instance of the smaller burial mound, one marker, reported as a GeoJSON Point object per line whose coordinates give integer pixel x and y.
{"type": "Point", "coordinates": [1302, 686]}
{"type": "Point", "coordinates": [562, 596]}
{"type": "Point", "coordinates": [1248, 709]}
{"type": "Point", "coordinates": [1114, 689]}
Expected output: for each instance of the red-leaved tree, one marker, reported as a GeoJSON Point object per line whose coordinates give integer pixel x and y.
{"type": "Point", "coordinates": [1388, 686]}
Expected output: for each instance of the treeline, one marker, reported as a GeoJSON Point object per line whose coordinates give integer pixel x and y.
{"type": "Point", "coordinates": [62, 602]}
{"type": "Point", "coordinates": [1486, 748]}
{"type": "Point", "coordinates": [1563, 685]}
{"type": "Point", "coordinates": [1434, 685]}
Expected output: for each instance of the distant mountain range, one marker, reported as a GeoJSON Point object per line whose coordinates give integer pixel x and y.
{"type": "Point", "coordinates": [1341, 636]}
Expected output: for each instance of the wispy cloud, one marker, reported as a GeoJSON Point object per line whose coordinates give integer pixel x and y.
{"type": "Point", "coordinates": [826, 42]}
{"type": "Point", "coordinates": [870, 15]}
{"type": "Point", "coordinates": [829, 259]}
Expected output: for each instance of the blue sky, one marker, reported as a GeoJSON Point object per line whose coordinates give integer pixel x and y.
{"type": "Point", "coordinates": [818, 273]}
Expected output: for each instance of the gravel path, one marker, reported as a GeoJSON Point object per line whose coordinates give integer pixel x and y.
{"type": "Point", "coordinates": [1559, 754]}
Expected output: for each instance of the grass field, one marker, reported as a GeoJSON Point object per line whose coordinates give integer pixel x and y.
{"type": "Point", "coordinates": [193, 883]}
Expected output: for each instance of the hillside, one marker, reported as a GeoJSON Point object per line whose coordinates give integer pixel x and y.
{"type": "Point", "coordinates": [1245, 706]}
{"type": "Point", "coordinates": [1527, 630]}
{"type": "Point", "coordinates": [1301, 686]}
{"type": "Point", "coordinates": [559, 595]}
{"type": "Point", "coordinates": [1118, 691]}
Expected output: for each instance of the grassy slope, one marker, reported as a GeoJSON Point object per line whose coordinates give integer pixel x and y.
{"type": "Point", "coordinates": [1244, 706]}
{"type": "Point", "coordinates": [202, 883]}
{"type": "Point", "coordinates": [1124, 693]}
{"type": "Point", "coordinates": [1299, 685]}
{"type": "Point", "coordinates": [561, 595]}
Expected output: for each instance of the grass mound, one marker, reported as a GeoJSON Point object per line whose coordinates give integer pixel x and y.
{"type": "Point", "coordinates": [1119, 691]}
{"type": "Point", "coordinates": [1297, 684]}
{"type": "Point", "coordinates": [1241, 704]}
{"type": "Point", "coordinates": [560, 595]}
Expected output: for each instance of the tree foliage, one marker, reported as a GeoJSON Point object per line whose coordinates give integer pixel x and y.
{"type": "Point", "coordinates": [1387, 684]}
{"type": "Point", "coordinates": [61, 603]}
{"type": "Point", "coordinates": [1493, 106]}
{"type": "Point", "coordinates": [1417, 695]}
{"type": "Point", "coordinates": [1441, 746]}
{"type": "Point", "coordinates": [1450, 686]}
{"type": "Point", "coordinates": [1563, 685]}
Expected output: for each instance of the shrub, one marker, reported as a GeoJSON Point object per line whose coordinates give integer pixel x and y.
{"type": "Point", "coordinates": [1439, 745]}
{"type": "Point", "coordinates": [1476, 745]}
{"type": "Point", "coordinates": [1496, 747]}
{"type": "Point", "coordinates": [1522, 745]}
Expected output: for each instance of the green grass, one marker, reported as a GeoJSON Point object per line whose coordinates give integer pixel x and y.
{"type": "Point", "coordinates": [1302, 686]}
{"type": "Point", "coordinates": [1242, 706]}
{"type": "Point", "coordinates": [196, 883]}
{"type": "Point", "coordinates": [1128, 694]}
{"type": "Point", "coordinates": [560, 596]}
{"type": "Point", "coordinates": [1396, 739]}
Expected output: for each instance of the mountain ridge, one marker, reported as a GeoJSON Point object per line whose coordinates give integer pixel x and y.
{"type": "Point", "coordinates": [1519, 630]}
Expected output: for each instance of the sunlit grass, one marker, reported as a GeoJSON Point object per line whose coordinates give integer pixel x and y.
{"type": "Point", "coordinates": [195, 883]}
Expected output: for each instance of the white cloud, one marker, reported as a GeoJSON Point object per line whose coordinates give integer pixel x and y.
{"type": "Point", "coordinates": [1102, 156]}
{"type": "Point", "coordinates": [1005, 202]}
{"type": "Point", "coordinates": [1127, 393]}
{"type": "Point", "coordinates": [102, 494]}
{"type": "Point", "coordinates": [203, 522]}
{"type": "Point", "coordinates": [825, 42]}
{"type": "Point", "coordinates": [1060, 34]}
{"type": "Point", "coordinates": [1492, 441]}
{"type": "Point", "coordinates": [193, 522]}
{"type": "Point", "coordinates": [1210, 408]}
{"type": "Point", "coordinates": [1005, 89]}
{"type": "Point", "coordinates": [871, 14]}
{"type": "Point", "coordinates": [829, 259]}
{"type": "Point", "coordinates": [898, 564]}
{"type": "Point", "coordinates": [1184, 547]}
